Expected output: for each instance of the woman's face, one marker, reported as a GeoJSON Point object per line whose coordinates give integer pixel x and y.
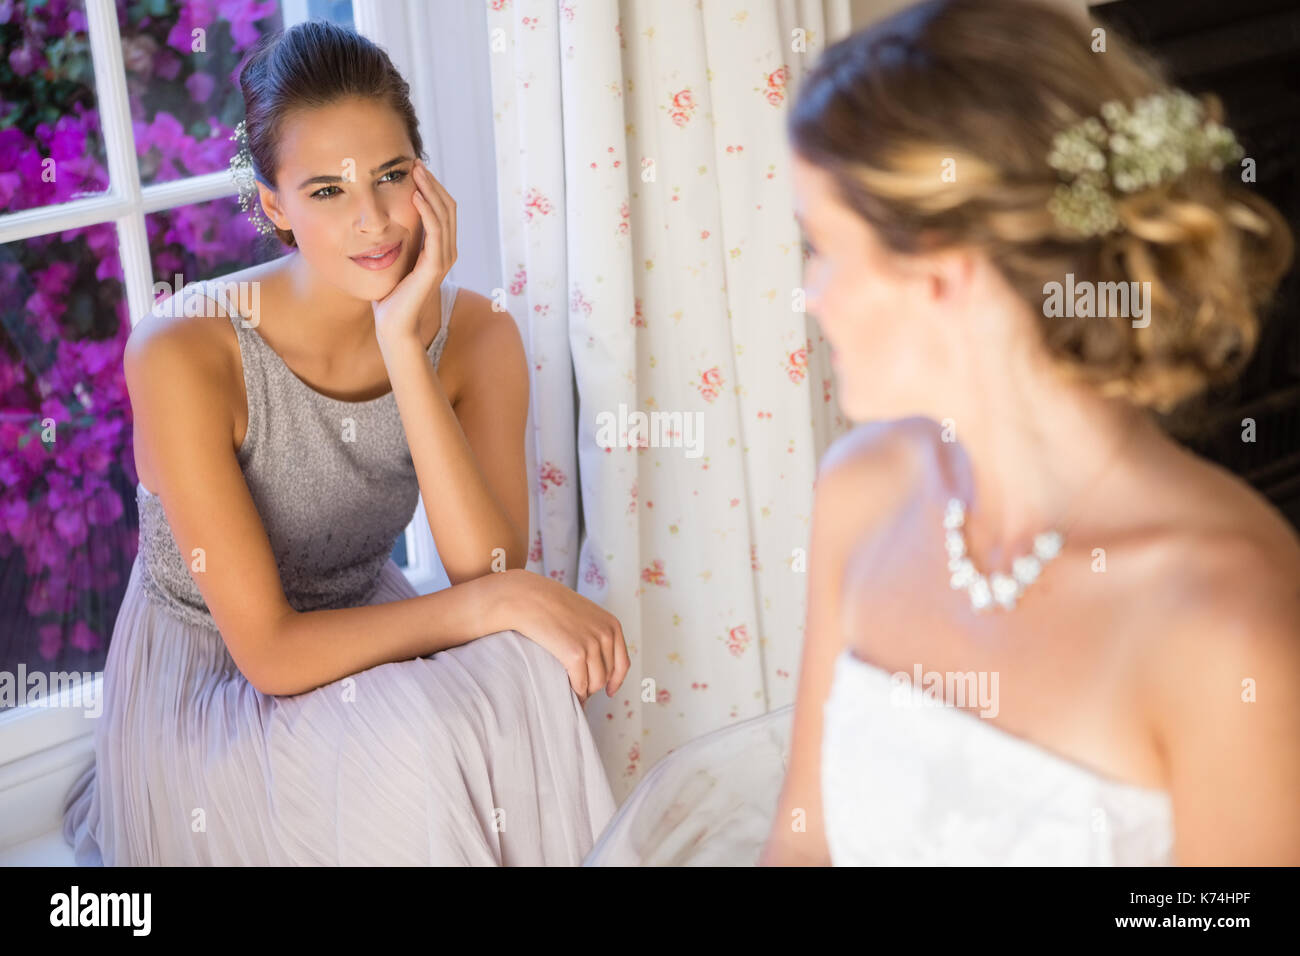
{"type": "Point", "coordinates": [345, 188]}
{"type": "Point", "coordinates": [877, 309]}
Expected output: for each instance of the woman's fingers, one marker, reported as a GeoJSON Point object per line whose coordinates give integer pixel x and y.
{"type": "Point", "coordinates": [449, 213]}
{"type": "Point", "coordinates": [606, 656]}
{"type": "Point", "coordinates": [437, 199]}
{"type": "Point", "coordinates": [580, 679]}
{"type": "Point", "coordinates": [622, 663]}
{"type": "Point", "coordinates": [595, 670]}
{"type": "Point", "coordinates": [426, 202]}
{"type": "Point", "coordinates": [431, 253]}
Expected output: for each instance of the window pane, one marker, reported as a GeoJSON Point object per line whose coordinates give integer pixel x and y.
{"type": "Point", "coordinates": [205, 240]}
{"type": "Point", "coordinates": [51, 150]}
{"type": "Point", "coordinates": [182, 71]}
{"type": "Point", "coordinates": [68, 526]}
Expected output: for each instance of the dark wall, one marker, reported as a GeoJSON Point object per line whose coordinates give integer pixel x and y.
{"type": "Point", "coordinates": [1248, 52]}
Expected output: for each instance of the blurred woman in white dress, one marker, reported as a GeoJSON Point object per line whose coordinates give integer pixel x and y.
{"type": "Point", "coordinates": [1039, 631]}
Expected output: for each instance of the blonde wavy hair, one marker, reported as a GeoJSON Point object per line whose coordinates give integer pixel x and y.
{"type": "Point", "coordinates": [988, 84]}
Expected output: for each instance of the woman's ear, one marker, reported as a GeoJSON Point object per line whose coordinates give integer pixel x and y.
{"type": "Point", "coordinates": [271, 206]}
{"type": "Point", "coordinates": [951, 273]}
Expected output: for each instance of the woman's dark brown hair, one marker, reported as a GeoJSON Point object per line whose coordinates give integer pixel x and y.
{"type": "Point", "coordinates": [310, 65]}
{"type": "Point", "coordinates": [982, 87]}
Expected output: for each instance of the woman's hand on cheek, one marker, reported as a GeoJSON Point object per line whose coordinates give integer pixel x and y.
{"type": "Point", "coordinates": [397, 315]}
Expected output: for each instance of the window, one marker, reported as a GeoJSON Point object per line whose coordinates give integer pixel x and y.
{"type": "Point", "coordinates": [115, 121]}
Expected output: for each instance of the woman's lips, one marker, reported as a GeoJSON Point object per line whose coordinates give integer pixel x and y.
{"type": "Point", "coordinates": [381, 263]}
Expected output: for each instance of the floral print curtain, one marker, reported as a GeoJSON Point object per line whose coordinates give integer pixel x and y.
{"type": "Point", "coordinates": [653, 261]}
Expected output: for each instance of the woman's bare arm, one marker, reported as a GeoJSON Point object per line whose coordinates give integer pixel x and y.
{"type": "Point", "coordinates": [1220, 682]}
{"type": "Point", "coordinates": [316, 647]}
{"type": "Point", "coordinates": [471, 457]}
{"type": "Point", "coordinates": [179, 377]}
{"type": "Point", "coordinates": [857, 481]}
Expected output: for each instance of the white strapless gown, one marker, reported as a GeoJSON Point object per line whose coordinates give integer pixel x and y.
{"type": "Point", "coordinates": [904, 782]}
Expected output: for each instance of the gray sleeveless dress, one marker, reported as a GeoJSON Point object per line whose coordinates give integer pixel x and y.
{"type": "Point", "coordinates": [477, 755]}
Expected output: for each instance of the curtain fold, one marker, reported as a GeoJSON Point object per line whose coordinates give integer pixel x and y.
{"type": "Point", "coordinates": [650, 254]}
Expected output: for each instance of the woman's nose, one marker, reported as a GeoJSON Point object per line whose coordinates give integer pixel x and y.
{"type": "Point", "coordinates": [373, 215]}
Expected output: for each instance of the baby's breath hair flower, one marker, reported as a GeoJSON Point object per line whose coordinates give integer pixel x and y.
{"type": "Point", "coordinates": [241, 170]}
{"type": "Point", "coordinates": [1164, 135]}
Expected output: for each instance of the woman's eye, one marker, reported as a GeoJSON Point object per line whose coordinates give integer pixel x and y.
{"type": "Point", "coordinates": [400, 174]}
{"type": "Point", "coordinates": [809, 250]}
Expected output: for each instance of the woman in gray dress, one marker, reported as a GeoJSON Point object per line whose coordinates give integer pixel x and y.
{"type": "Point", "coordinates": [276, 692]}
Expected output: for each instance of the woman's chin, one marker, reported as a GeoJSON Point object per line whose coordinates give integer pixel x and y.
{"type": "Point", "coordinates": [375, 288]}
{"type": "Point", "coordinates": [856, 410]}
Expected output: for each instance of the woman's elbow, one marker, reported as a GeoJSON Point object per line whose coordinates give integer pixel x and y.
{"type": "Point", "coordinates": [262, 662]}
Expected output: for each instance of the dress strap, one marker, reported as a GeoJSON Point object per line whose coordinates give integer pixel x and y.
{"type": "Point", "coordinates": [252, 360]}
{"type": "Point", "coordinates": [449, 291]}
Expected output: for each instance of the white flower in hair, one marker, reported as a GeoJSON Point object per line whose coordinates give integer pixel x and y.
{"type": "Point", "coordinates": [241, 170]}
{"type": "Point", "coordinates": [1163, 136]}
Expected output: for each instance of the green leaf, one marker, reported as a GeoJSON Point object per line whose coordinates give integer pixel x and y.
{"type": "Point", "coordinates": [54, 53]}
{"type": "Point", "coordinates": [79, 71]}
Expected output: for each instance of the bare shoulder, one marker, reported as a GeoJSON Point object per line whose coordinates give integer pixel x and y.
{"type": "Point", "coordinates": [1240, 555]}
{"type": "Point", "coordinates": [475, 324]}
{"type": "Point", "coordinates": [872, 468]}
{"type": "Point", "coordinates": [868, 478]}
{"type": "Point", "coordinates": [1218, 676]}
{"type": "Point", "coordinates": [1229, 597]}
{"type": "Point", "coordinates": [182, 361]}
{"type": "Point", "coordinates": [1233, 586]}
{"type": "Point", "coordinates": [189, 329]}
{"type": "Point", "coordinates": [482, 341]}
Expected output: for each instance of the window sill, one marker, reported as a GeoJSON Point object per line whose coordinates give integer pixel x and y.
{"type": "Point", "coordinates": [43, 749]}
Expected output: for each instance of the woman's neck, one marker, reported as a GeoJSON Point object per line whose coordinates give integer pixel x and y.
{"type": "Point", "coordinates": [330, 320]}
{"type": "Point", "coordinates": [1042, 451]}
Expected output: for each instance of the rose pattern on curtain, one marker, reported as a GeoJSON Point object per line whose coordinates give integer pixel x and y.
{"type": "Point", "coordinates": [652, 258]}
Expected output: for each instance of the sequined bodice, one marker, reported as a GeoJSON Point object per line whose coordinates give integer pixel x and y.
{"type": "Point", "coordinates": [332, 480]}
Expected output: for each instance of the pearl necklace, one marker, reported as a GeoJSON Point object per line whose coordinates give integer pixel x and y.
{"type": "Point", "coordinates": [1003, 589]}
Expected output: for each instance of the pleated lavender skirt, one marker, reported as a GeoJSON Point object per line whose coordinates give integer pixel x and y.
{"type": "Point", "coordinates": [478, 755]}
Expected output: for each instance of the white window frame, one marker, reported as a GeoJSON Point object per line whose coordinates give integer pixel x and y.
{"type": "Point", "coordinates": [43, 748]}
